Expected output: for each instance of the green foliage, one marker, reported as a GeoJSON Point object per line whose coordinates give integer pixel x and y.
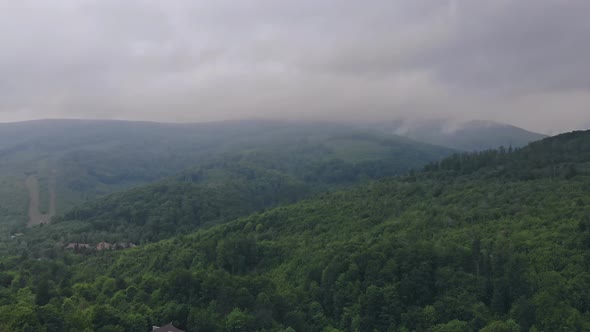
{"type": "Point", "coordinates": [452, 326]}
{"type": "Point", "coordinates": [238, 321]}
{"type": "Point", "coordinates": [446, 249]}
{"type": "Point", "coordinates": [499, 326]}
{"type": "Point", "coordinates": [79, 161]}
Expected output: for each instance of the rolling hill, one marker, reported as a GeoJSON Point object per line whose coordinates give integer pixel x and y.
{"type": "Point", "coordinates": [489, 241]}
{"type": "Point", "coordinates": [63, 163]}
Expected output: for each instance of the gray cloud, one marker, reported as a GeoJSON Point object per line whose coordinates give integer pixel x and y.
{"type": "Point", "coordinates": [518, 61]}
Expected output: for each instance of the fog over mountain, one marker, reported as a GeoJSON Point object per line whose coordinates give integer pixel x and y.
{"type": "Point", "coordinates": [466, 136]}
{"type": "Point", "coordinates": [522, 62]}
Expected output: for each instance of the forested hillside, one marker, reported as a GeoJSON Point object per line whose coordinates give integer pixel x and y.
{"type": "Point", "coordinates": [59, 164]}
{"type": "Point", "coordinates": [494, 241]}
{"type": "Point", "coordinates": [159, 211]}
{"type": "Point", "coordinates": [228, 187]}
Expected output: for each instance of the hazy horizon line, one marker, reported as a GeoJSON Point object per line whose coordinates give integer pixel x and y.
{"type": "Point", "coordinates": [412, 121]}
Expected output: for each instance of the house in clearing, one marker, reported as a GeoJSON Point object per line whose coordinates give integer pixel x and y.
{"type": "Point", "coordinates": [166, 328]}
{"type": "Point", "coordinates": [100, 246]}
{"type": "Point", "coordinates": [76, 246]}
{"type": "Point", "coordinates": [103, 246]}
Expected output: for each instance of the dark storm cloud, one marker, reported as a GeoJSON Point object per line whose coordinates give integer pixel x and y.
{"type": "Point", "coordinates": [519, 61]}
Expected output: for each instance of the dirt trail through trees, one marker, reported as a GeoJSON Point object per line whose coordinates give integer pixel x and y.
{"type": "Point", "coordinates": [35, 215]}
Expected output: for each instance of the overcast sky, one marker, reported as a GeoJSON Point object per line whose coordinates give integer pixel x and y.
{"type": "Point", "coordinates": [524, 62]}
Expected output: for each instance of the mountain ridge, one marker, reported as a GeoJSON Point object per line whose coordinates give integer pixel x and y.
{"type": "Point", "coordinates": [475, 135]}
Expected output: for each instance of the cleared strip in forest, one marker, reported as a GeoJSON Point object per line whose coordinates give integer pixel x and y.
{"type": "Point", "coordinates": [35, 215]}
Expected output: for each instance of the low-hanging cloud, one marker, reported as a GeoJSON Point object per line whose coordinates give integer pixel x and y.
{"type": "Point", "coordinates": [518, 61]}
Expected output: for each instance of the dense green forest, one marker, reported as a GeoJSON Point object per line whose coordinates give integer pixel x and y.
{"type": "Point", "coordinates": [78, 161]}
{"type": "Point", "coordinates": [228, 187]}
{"type": "Point", "coordinates": [158, 211]}
{"type": "Point", "coordinates": [491, 241]}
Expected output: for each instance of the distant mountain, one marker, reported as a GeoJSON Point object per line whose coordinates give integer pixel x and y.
{"type": "Point", "coordinates": [470, 136]}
